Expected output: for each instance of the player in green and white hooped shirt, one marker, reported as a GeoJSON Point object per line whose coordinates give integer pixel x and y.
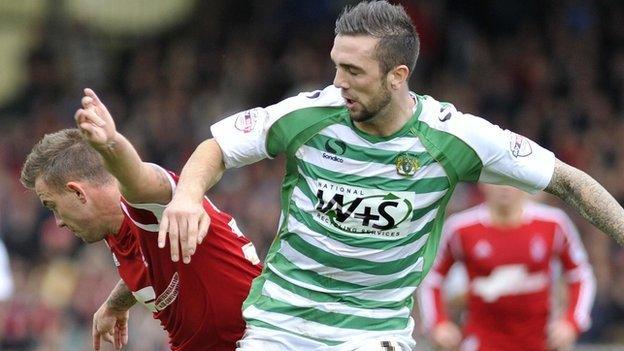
{"type": "Point", "coordinates": [361, 214]}
{"type": "Point", "coordinates": [370, 169]}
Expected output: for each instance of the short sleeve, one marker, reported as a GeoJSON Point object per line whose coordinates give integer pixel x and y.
{"type": "Point", "coordinates": [242, 137]}
{"type": "Point", "coordinates": [506, 157]}
{"type": "Point", "coordinates": [512, 159]}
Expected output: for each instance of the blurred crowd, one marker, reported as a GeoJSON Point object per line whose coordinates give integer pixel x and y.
{"type": "Point", "coordinates": [553, 71]}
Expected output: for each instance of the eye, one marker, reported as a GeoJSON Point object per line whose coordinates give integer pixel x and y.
{"type": "Point", "coordinates": [350, 70]}
{"type": "Point", "coordinates": [354, 71]}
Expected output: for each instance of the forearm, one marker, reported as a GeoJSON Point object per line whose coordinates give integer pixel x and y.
{"type": "Point", "coordinates": [589, 199]}
{"type": "Point", "coordinates": [138, 181]}
{"type": "Point", "coordinates": [121, 298]}
{"type": "Point", "coordinates": [203, 170]}
{"type": "Point", "coordinates": [121, 160]}
{"type": "Point", "coordinates": [581, 292]}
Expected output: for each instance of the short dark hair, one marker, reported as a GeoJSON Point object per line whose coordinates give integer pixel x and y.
{"type": "Point", "coordinates": [398, 39]}
{"type": "Point", "coordinates": [62, 157]}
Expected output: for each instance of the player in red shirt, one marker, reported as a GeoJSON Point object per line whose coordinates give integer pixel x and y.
{"type": "Point", "coordinates": [507, 246]}
{"type": "Point", "coordinates": [199, 303]}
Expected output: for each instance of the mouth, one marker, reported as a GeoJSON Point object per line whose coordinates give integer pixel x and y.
{"type": "Point", "coordinates": [349, 102]}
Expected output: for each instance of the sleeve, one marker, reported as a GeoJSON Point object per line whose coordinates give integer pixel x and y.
{"type": "Point", "coordinates": [505, 157]}
{"type": "Point", "coordinates": [515, 160]}
{"type": "Point", "coordinates": [430, 295]}
{"type": "Point", "coordinates": [578, 275]}
{"type": "Point", "coordinates": [244, 137]}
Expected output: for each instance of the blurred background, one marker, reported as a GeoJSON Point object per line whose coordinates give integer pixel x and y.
{"type": "Point", "coordinates": [168, 69]}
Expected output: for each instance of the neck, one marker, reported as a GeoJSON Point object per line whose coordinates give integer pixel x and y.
{"type": "Point", "coordinates": [111, 214]}
{"type": "Point", "coordinates": [115, 223]}
{"type": "Point", "coordinates": [506, 216]}
{"type": "Point", "coordinates": [392, 117]}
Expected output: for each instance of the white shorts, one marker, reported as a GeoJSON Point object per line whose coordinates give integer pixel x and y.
{"type": "Point", "coordinates": [256, 338]}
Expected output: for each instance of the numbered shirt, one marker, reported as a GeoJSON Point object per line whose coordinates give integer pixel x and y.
{"type": "Point", "coordinates": [510, 277]}
{"type": "Point", "coordinates": [198, 304]}
{"type": "Point", "coordinates": [361, 215]}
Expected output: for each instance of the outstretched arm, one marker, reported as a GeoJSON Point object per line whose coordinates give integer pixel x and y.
{"type": "Point", "coordinates": [184, 214]}
{"type": "Point", "coordinates": [110, 322]}
{"type": "Point", "coordinates": [139, 182]}
{"type": "Point", "coordinates": [588, 198]}
{"type": "Point", "coordinates": [202, 170]}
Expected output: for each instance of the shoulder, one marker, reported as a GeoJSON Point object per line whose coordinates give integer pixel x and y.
{"type": "Point", "coordinates": [547, 213]}
{"type": "Point", "coordinates": [443, 116]}
{"type": "Point", "coordinates": [463, 219]}
{"type": "Point", "coordinates": [329, 97]}
{"type": "Point", "coordinates": [302, 114]}
{"type": "Point", "coordinates": [564, 228]}
{"type": "Point", "coordinates": [464, 141]}
{"type": "Point", "coordinates": [434, 112]}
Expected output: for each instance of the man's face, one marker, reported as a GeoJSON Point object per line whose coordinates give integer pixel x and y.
{"type": "Point", "coordinates": [502, 196]}
{"type": "Point", "coordinates": [71, 210]}
{"type": "Point", "coordinates": [359, 76]}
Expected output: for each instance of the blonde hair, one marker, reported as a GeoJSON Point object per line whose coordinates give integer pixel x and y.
{"type": "Point", "coordinates": [62, 157]}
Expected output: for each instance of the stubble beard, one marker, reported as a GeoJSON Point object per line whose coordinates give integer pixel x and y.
{"type": "Point", "coordinates": [379, 102]}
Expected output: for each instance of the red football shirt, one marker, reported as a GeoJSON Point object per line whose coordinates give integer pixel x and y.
{"type": "Point", "coordinates": [510, 277]}
{"type": "Point", "coordinates": [198, 304]}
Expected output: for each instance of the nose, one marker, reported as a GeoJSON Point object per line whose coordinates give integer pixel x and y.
{"type": "Point", "coordinates": [339, 80]}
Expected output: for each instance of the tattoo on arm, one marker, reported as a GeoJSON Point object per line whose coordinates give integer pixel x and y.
{"type": "Point", "coordinates": [121, 298]}
{"type": "Point", "coordinates": [150, 186]}
{"type": "Point", "coordinates": [163, 181]}
{"type": "Point", "coordinates": [160, 185]}
{"type": "Point", "coordinates": [589, 199]}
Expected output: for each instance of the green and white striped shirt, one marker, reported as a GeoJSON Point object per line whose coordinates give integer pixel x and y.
{"type": "Point", "coordinates": [361, 215]}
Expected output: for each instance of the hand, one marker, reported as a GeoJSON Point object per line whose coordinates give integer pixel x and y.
{"type": "Point", "coordinates": [110, 325]}
{"type": "Point", "coordinates": [94, 121]}
{"type": "Point", "coordinates": [446, 335]}
{"type": "Point", "coordinates": [561, 335]}
{"type": "Point", "coordinates": [186, 221]}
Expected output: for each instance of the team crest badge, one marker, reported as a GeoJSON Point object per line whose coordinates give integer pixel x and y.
{"type": "Point", "coordinates": [406, 164]}
{"type": "Point", "coordinates": [538, 248]}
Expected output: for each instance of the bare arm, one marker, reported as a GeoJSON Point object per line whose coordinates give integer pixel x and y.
{"type": "Point", "coordinates": [202, 170]}
{"type": "Point", "coordinates": [139, 182]}
{"type": "Point", "coordinates": [185, 217]}
{"type": "Point", "coordinates": [588, 198]}
{"type": "Point", "coordinates": [110, 322]}
{"type": "Point", "coordinates": [121, 298]}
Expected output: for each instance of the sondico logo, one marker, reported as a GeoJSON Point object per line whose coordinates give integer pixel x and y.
{"type": "Point", "coordinates": [335, 147]}
{"type": "Point", "coordinates": [351, 210]}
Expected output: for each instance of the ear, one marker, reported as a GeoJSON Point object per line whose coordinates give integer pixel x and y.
{"type": "Point", "coordinates": [398, 76]}
{"type": "Point", "coordinates": [78, 190]}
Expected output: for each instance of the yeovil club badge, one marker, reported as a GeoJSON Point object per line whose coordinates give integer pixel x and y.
{"type": "Point", "coordinates": [406, 164]}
